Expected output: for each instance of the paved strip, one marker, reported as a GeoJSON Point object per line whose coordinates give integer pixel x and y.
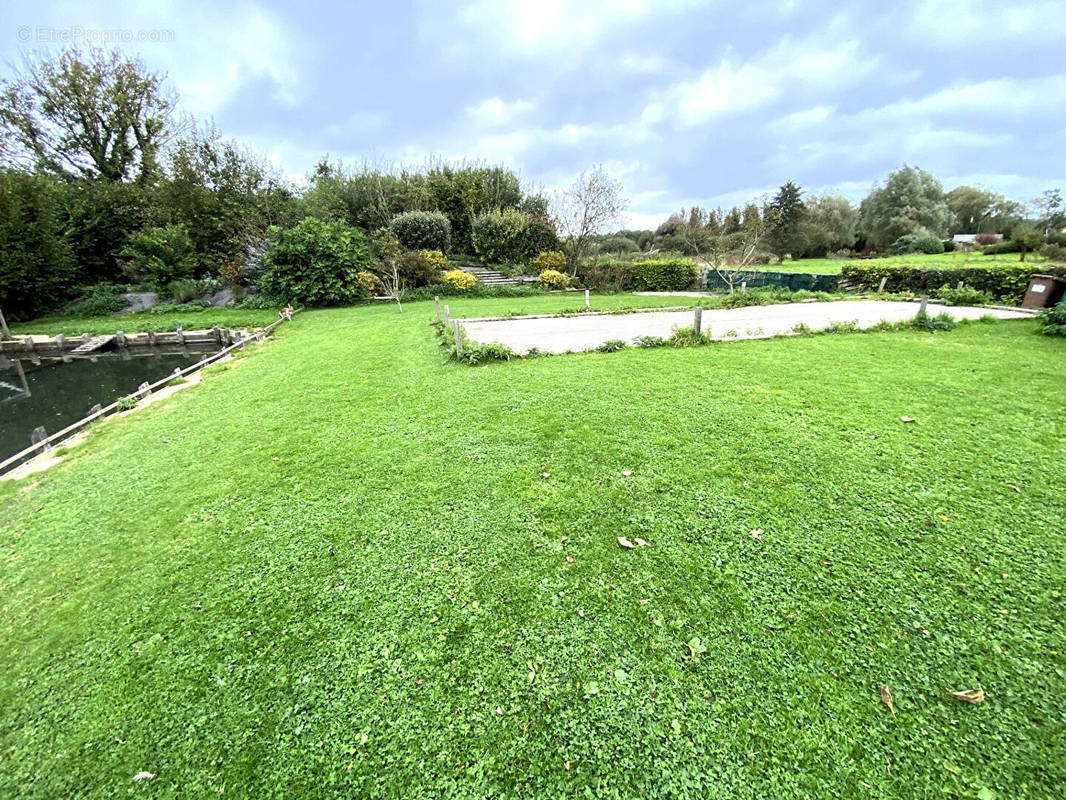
{"type": "Point", "coordinates": [587, 332]}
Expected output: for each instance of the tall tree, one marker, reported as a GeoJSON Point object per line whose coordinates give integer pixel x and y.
{"type": "Point", "coordinates": [784, 216]}
{"type": "Point", "coordinates": [912, 200]}
{"type": "Point", "coordinates": [979, 211]}
{"type": "Point", "coordinates": [591, 203]}
{"type": "Point", "coordinates": [89, 115]}
{"type": "Point", "coordinates": [1052, 213]}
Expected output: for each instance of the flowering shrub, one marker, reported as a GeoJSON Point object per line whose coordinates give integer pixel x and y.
{"type": "Point", "coordinates": [460, 280]}
{"type": "Point", "coordinates": [550, 260]}
{"type": "Point", "coordinates": [552, 279]}
{"type": "Point", "coordinates": [434, 259]}
{"type": "Point", "coordinates": [369, 284]}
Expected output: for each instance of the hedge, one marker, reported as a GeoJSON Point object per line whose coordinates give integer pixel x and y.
{"type": "Point", "coordinates": [653, 275]}
{"type": "Point", "coordinates": [793, 281]}
{"type": "Point", "coordinates": [1003, 281]}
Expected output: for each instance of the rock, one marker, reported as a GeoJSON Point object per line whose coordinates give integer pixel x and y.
{"type": "Point", "coordinates": [139, 301]}
{"type": "Point", "coordinates": [220, 298]}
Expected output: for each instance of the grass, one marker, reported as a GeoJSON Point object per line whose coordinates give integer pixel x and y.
{"type": "Point", "coordinates": [143, 321]}
{"type": "Point", "coordinates": [832, 266]}
{"type": "Point", "coordinates": [348, 567]}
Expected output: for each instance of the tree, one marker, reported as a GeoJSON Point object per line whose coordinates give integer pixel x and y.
{"type": "Point", "coordinates": [1028, 237]}
{"type": "Point", "coordinates": [315, 262]}
{"type": "Point", "coordinates": [828, 226]}
{"type": "Point", "coordinates": [729, 255]}
{"type": "Point", "coordinates": [979, 211]}
{"type": "Point", "coordinates": [1051, 212]}
{"type": "Point", "coordinates": [88, 115]}
{"type": "Point", "coordinates": [784, 216]}
{"type": "Point", "coordinates": [592, 202]}
{"type": "Point", "coordinates": [911, 199]}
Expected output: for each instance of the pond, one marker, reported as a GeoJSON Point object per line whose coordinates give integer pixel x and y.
{"type": "Point", "coordinates": [54, 393]}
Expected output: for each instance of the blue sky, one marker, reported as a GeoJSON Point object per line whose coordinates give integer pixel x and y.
{"type": "Point", "coordinates": [709, 103]}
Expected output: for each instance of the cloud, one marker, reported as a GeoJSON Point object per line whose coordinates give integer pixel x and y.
{"type": "Point", "coordinates": [959, 24]}
{"type": "Point", "coordinates": [496, 112]}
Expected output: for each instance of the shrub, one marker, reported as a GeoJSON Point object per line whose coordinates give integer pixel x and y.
{"type": "Point", "coordinates": [552, 279]}
{"type": "Point", "coordinates": [1005, 282]}
{"type": "Point", "coordinates": [415, 270]}
{"type": "Point", "coordinates": [315, 263]}
{"type": "Point", "coordinates": [649, 341]}
{"type": "Point", "coordinates": [104, 298]}
{"type": "Point", "coordinates": [550, 259]}
{"type": "Point", "coordinates": [258, 302]}
{"type": "Point", "coordinates": [1056, 238]}
{"type": "Point", "coordinates": [1053, 252]}
{"type": "Point", "coordinates": [184, 290]}
{"type": "Point", "coordinates": [498, 236]}
{"type": "Point", "coordinates": [457, 279]}
{"type": "Point", "coordinates": [917, 242]}
{"type": "Point", "coordinates": [368, 284]}
{"type": "Point", "coordinates": [941, 322]}
{"type": "Point", "coordinates": [422, 230]}
{"type": "Point", "coordinates": [1052, 320]}
{"type": "Point", "coordinates": [985, 239]}
{"type": "Point", "coordinates": [999, 248]}
{"type": "Point", "coordinates": [966, 296]}
{"type": "Point", "coordinates": [169, 308]}
{"type": "Point", "coordinates": [434, 258]}
{"type": "Point", "coordinates": [612, 346]}
{"type": "Point", "coordinates": [687, 337]}
{"type": "Point", "coordinates": [661, 275]}
{"type": "Point", "coordinates": [159, 255]}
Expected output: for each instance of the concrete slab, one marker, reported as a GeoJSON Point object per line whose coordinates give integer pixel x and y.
{"type": "Point", "coordinates": [589, 331]}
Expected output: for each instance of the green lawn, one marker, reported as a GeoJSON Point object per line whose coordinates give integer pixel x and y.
{"type": "Point", "coordinates": [143, 321]}
{"type": "Point", "coordinates": [334, 569]}
{"type": "Point", "coordinates": [958, 259]}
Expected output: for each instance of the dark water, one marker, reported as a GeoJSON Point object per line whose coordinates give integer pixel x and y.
{"type": "Point", "coordinates": [54, 394]}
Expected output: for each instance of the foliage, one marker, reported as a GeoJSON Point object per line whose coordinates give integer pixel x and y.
{"type": "Point", "coordinates": [184, 290]}
{"type": "Point", "coordinates": [1026, 237]}
{"type": "Point", "coordinates": [549, 259]}
{"type": "Point", "coordinates": [104, 298]}
{"type": "Point", "coordinates": [977, 210]}
{"type": "Point", "coordinates": [416, 269]}
{"type": "Point", "coordinates": [921, 241]}
{"type": "Point", "coordinates": [592, 202]}
{"type": "Point", "coordinates": [687, 337]}
{"type": "Point", "coordinates": [966, 296]}
{"type": "Point", "coordinates": [37, 269]}
{"type": "Point", "coordinates": [784, 217]}
{"type": "Point", "coordinates": [1002, 282]}
{"type": "Point", "coordinates": [910, 201]}
{"type": "Point", "coordinates": [509, 236]}
{"type": "Point", "coordinates": [462, 281]}
{"type": "Point", "coordinates": [315, 263]}
{"type": "Point", "coordinates": [661, 275]}
{"type": "Point", "coordinates": [368, 285]}
{"type": "Point", "coordinates": [612, 346]}
{"type": "Point", "coordinates": [180, 308]}
{"type": "Point", "coordinates": [941, 322]}
{"type": "Point", "coordinates": [552, 279]}
{"type": "Point", "coordinates": [435, 259]}
{"type": "Point", "coordinates": [1052, 320]}
{"type": "Point", "coordinates": [126, 403]}
{"type": "Point", "coordinates": [86, 114]}
{"type": "Point", "coordinates": [422, 230]}
{"type": "Point", "coordinates": [159, 255]}
{"type": "Point", "coordinates": [1053, 252]}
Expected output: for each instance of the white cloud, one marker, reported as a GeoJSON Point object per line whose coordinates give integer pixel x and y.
{"type": "Point", "coordinates": [964, 24]}
{"type": "Point", "coordinates": [496, 112]}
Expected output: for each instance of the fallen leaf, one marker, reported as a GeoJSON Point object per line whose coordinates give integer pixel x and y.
{"type": "Point", "coordinates": [886, 698]}
{"type": "Point", "coordinates": [273, 458]}
{"type": "Point", "coordinates": [567, 765]}
{"type": "Point", "coordinates": [628, 545]}
{"type": "Point", "coordinates": [640, 542]}
{"type": "Point", "coordinates": [544, 474]}
{"type": "Point", "coordinates": [755, 534]}
{"type": "Point", "coordinates": [905, 419]}
{"type": "Point", "coordinates": [569, 559]}
{"type": "Point", "coordinates": [973, 696]}
{"type": "Point", "coordinates": [627, 472]}
{"type": "Point", "coordinates": [1015, 488]}
{"type": "Point", "coordinates": [499, 711]}
{"type": "Point", "coordinates": [143, 776]}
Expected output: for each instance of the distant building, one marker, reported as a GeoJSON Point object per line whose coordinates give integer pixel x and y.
{"type": "Point", "coordinates": [968, 240]}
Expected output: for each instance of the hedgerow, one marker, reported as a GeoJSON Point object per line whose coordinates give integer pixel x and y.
{"type": "Point", "coordinates": [1004, 282]}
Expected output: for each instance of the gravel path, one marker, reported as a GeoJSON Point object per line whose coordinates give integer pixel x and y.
{"type": "Point", "coordinates": [587, 332]}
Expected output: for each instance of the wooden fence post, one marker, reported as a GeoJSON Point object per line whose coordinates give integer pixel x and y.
{"type": "Point", "coordinates": [38, 436]}
{"type": "Point", "coordinates": [925, 300]}
{"type": "Point", "coordinates": [61, 341]}
{"type": "Point", "coordinates": [28, 342]}
{"type": "Point", "coordinates": [587, 300]}
{"type": "Point", "coordinates": [960, 284]}
{"type": "Point", "coordinates": [881, 288]}
{"type": "Point", "coordinates": [743, 287]}
{"type": "Point", "coordinates": [698, 322]}
{"type": "Point", "coordinates": [217, 334]}
{"type": "Point", "coordinates": [120, 337]}
{"type": "Point", "coordinates": [436, 299]}
{"type": "Point", "coordinates": [151, 338]}
{"type": "Point", "coordinates": [447, 315]}
{"type": "Point", "coordinates": [142, 390]}
{"type": "Point", "coordinates": [458, 340]}
{"type": "Point", "coordinates": [181, 335]}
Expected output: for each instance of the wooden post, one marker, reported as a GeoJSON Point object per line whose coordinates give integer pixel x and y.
{"type": "Point", "coordinates": [120, 337]}
{"type": "Point", "coordinates": [436, 299]}
{"type": "Point", "coordinates": [28, 341]}
{"type": "Point", "coordinates": [447, 315]}
{"type": "Point", "coordinates": [38, 436]}
{"type": "Point", "coordinates": [142, 390]}
{"type": "Point", "coordinates": [217, 333]}
{"type": "Point", "coordinates": [151, 338]}
{"type": "Point", "coordinates": [925, 299]}
{"type": "Point", "coordinates": [586, 299]}
{"type": "Point", "coordinates": [181, 335]}
{"type": "Point", "coordinates": [881, 288]}
{"type": "Point", "coordinates": [61, 341]}
{"type": "Point", "coordinates": [4, 332]}
{"type": "Point", "coordinates": [698, 321]}
{"type": "Point", "coordinates": [240, 340]}
{"type": "Point", "coordinates": [743, 287]}
{"type": "Point", "coordinates": [458, 339]}
{"type": "Point", "coordinates": [85, 338]}
{"type": "Point", "coordinates": [960, 284]}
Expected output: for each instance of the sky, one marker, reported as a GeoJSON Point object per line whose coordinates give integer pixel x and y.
{"type": "Point", "coordinates": [685, 102]}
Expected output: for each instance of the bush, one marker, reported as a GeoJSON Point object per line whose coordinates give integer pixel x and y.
{"type": "Point", "coordinates": [1052, 320]}
{"type": "Point", "coordinates": [457, 279]}
{"type": "Point", "coordinates": [168, 308]}
{"type": "Point", "coordinates": [552, 279]}
{"type": "Point", "coordinates": [999, 248]}
{"type": "Point", "coordinates": [415, 270]}
{"type": "Point", "coordinates": [159, 255]}
{"type": "Point", "coordinates": [422, 230]}
{"type": "Point", "coordinates": [661, 275]}
{"type": "Point", "coordinates": [434, 258]}
{"type": "Point", "coordinates": [918, 242]}
{"type": "Point", "coordinates": [369, 285]}
{"type": "Point", "coordinates": [612, 346]}
{"type": "Point", "coordinates": [498, 236]}
{"type": "Point", "coordinates": [315, 263]}
{"type": "Point", "coordinates": [1005, 282]}
{"type": "Point", "coordinates": [985, 239]}
{"type": "Point", "coordinates": [1053, 252]}
{"type": "Point", "coordinates": [550, 259]}
{"type": "Point", "coordinates": [104, 298]}
{"type": "Point", "coordinates": [966, 296]}
{"type": "Point", "coordinates": [184, 290]}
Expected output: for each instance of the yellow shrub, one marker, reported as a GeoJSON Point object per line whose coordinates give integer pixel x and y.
{"type": "Point", "coordinates": [552, 279]}
{"type": "Point", "coordinates": [369, 284]}
{"type": "Point", "coordinates": [457, 279]}
{"type": "Point", "coordinates": [549, 259]}
{"type": "Point", "coordinates": [434, 258]}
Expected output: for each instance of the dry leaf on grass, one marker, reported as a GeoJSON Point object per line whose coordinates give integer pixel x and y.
{"type": "Point", "coordinates": [544, 474]}
{"type": "Point", "coordinates": [628, 545]}
{"type": "Point", "coordinates": [886, 698]}
{"type": "Point", "coordinates": [905, 419]}
{"type": "Point", "coordinates": [627, 472]}
{"type": "Point", "coordinates": [973, 696]}
{"type": "Point", "coordinates": [757, 533]}
{"type": "Point", "coordinates": [640, 542]}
